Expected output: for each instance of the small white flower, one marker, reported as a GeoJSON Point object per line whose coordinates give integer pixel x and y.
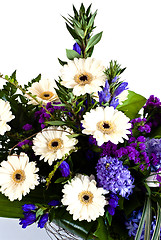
{"type": "Point", "coordinates": [5, 116]}
{"type": "Point", "coordinates": [83, 75]}
{"type": "Point", "coordinates": [106, 124]}
{"type": "Point", "coordinates": [84, 200]}
{"type": "Point", "coordinates": [44, 92]}
{"type": "Point", "coordinates": [152, 179]}
{"type": "Point", "coordinates": [17, 176]}
{"type": "Point", "coordinates": [53, 143]}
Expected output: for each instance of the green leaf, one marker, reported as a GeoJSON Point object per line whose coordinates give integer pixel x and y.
{"type": "Point", "coordinates": [71, 54]}
{"type": "Point", "coordinates": [63, 219]}
{"type": "Point", "coordinates": [79, 31]}
{"type": "Point", "coordinates": [132, 105]}
{"type": "Point", "coordinates": [142, 220]}
{"type": "Point", "coordinates": [148, 220]}
{"type": "Point", "coordinates": [101, 231]}
{"type": "Point", "coordinates": [156, 133]}
{"type": "Point", "coordinates": [14, 209]}
{"type": "Point", "coordinates": [91, 21]}
{"type": "Point", "coordinates": [55, 123]}
{"type": "Point", "coordinates": [73, 135]}
{"type": "Point", "coordinates": [62, 62]}
{"type": "Point", "coordinates": [93, 41]}
{"type": "Point", "coordinates": [71, 31]}
{"type": "Point", "coordinates": [156, 232]}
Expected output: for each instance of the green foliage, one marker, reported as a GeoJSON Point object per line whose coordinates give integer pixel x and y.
{"type": "Point", "coordinates": [132, 105]}
{"type": "Point", "coordinates": [81, 28]}
{"type": "Point", "coordinates": [113, 70]}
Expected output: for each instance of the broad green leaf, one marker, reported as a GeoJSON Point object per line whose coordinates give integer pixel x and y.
{"type": "Point", "coordinates": [14, 209]}
{"type": "Point", "coordinates": [63, 219]}
{"type": "Point", "coordinates": [132, 105]}
{"type": "Point", "coordinates": [156, 233]}
{"type": "Point", "coordinates": [71, 54]}
{"type": "Point", "coordinates": [148, 220]}
{"type": "Point", "coordinates": [101, 231]}
{"type": "Point", "coordinates": [93, 41]}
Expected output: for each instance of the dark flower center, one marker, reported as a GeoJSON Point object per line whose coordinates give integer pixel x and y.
{"type": "Point", "coordinates": [55, 144]}
{"type": "Point", "coordinates": [46, 95]}
{"type": "Point", "coordinates": [106, 125]}
{"type": "Point", "coordinates": [83, 78]}
{"type": "Point", "coordinates": [18, 176]}
{"type": "Point", "coordinates": [86, 197]}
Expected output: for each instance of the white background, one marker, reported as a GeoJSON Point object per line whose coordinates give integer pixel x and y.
{"type": "Point", "coordinates": [33, 36]}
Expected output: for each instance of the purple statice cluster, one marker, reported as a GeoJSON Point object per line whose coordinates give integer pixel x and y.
{"type": "Point", "coordinates": [112, 203]}
{"type": "Point", "coordinates": [153, 108]}
{"type": "Point", "coordinates": [24, 143]}
{"type": "Point", "coordinates": [27, 127]}
{"type": "Point", "coordinates": [29, 212]}
{"type": "Point", "coordinates": [133, 222]}
{"type": "Point", "coordinates": [141, 125]}
{"type": "Point", "coordinates": [105, 96]}
{"type": "Point", "coordinates": [153, 150]}
{"type": "Point", "coordinates": [108, 149]}
{"type": "Point", "coordinates": [136, 152]}
{"type": "Point", "coordinates": [114, 177]}
{"type": "Point", "coordinates": [42, 115]}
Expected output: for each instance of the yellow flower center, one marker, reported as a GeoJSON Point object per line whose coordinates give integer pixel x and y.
{"type": "Point", "coordinates": [18, 176]}
{"type": "Point", "coordinates": [105, 127]}
{"type": "Point", "coordinates": [83, 78]}
{"type": "Point", "coordinates": [46, 95]}
{"type": "Point", "coordinates": [55, 144]}
{"type": "Point", "coordinates": [85, 197]}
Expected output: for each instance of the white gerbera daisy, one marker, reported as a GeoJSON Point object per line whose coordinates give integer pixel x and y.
{"type": "Point", "coordinates": [106, 124]}
{"type": "Point", "coordinates": [84, 200]}
{"type": "Point", "coordinates": [17, 176]}
{"type": "Point", "coordinates": [83, 75]}
{"type": "Point", "coordinates": [53, 143]}
{"type": "Point", "coordinates": [5, 116]}
{"type": "Point", "coordinates": [44, 91]}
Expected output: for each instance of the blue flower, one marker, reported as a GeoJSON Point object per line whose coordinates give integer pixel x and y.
{"type": "Point", "coordinates": [64, 168]}
{"type": "Point", "coordinates": [29, 218]}
{"type": "Point", "coordinates": [28, 207]}
{"type": "Point", "coordinates": [120, 88]}
{"type": "Point", "coordinates": [43, 220]}
{"type": "Point", "coordinates": [54, 203]}
{"type": "Point", "coordinates": [114, 102]}
{"type": "Point", "coordinates": [77, 48]}
{"type": "Point", "coordinates": [114, 177]}
{"type": "Point", "coordinates": [104, 95]}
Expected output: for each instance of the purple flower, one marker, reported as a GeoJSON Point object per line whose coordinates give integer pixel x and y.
{"type": "Point", "coordinates": [54, 203]}
{"type": "Point", "coordinates": [77, 48]}
{"type": "Point", "coordinates": [104, 95]}
{"type": "Point", "coordinates": [25, 142]}
{"type": "Point", "coordinates": [113, 203]}
{"type": "Point", "coordinates": [114, 177]}
{"type": "Point", "coordinates": [120, 88]}
{"type": "Point", "coordinates": [27, 127]}
{"type": "Point", "coordinates": [29, 218]}
{"type": "Point", "coordinates": [64, 168]}
{"type": "Point", "coordinates": [28, 207]}
{"type": "Point", "coordinates": [114, 102]}
{"type": "Point", "coordinates": [43, 220]}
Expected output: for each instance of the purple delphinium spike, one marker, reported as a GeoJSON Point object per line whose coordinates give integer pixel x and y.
{"type": "Point", "coordinates": [120, 88]}
{"type": "Point", "coordinates": [65, 169]}
{"type": "Point", "coordinates": [104, 95]}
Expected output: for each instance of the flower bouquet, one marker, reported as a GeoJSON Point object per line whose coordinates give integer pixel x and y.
{"type": "Point", "coordinates": [82, 152]}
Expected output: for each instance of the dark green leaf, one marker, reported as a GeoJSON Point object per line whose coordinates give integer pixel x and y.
{"type": "Point", "coordinates": [79, 31]}
{"type": "Point", "coordinates": [91, 21]}
{"type": "Point", "coordinates": [132, 105]}
{"type": "Point", "coordinates": [93, 41]}
{"type": "Point", "coordinates": [156, 133]}
{"type": "Point", "coordinates": [156, 232]}
{"type": "Point", "coordinates": [101, 231]}
{"type": "Point", "coordinates": [62, 62]}
{"type": "Point", "coordinates": [71, 54]}
{"type": "Point", "coordinates": [71, 31]}
{"type": "Point", "coordinates": [148, 220]}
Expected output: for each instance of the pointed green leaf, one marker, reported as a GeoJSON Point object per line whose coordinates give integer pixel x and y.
{"type": "Point", "coordinates": [132, 105]}
{"type": "Point", "coordinates": [148, 220]}
{"type": "Point", "coordinates": [91, 21]}
{"type": "Point", "coordinates": [71, 31]}
{"type": "Point", "coordinates": [156, 233]}
{"type": "Point", "coordinates": [62, 62]}
{"type": "Point", "coordinates": [88, 9]}
{"type": "Point", "coordinates": [55, 123]}
{"type": "Point", "coordinates": [71, 54]}
{"type": "Point", "coordinates": [101, 231]}
{"type": "Point", "coordinates": [79, 31]}
{"type": "Point", "coordinates": [93, 41]}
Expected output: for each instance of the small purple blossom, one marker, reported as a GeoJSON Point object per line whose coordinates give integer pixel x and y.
{"type": "Point", "coordinates": [43, 220]}
{"type": "Point", "coordinates": [25, 142]}
{"type": "Point", "coordinates": [65, 169]}
{"type": "Point", "coordinates": [120, 88]}
{"type": "Point", "coordinates": [112, 203]}
{"type": "Point", "coordinates": [28, 207]}
{"type": "Point", "coordinates": [77, 48]}
{"type": "Point", "coordinates": [114, 177]}
{"type": "Point", "coordinates": [27, 127]}
{"type": "Point", "coordinates": [29, 218]}
{"type": "Point", "coordinates": [53, 203]}
{"type": "Point", "coordinates": [114, 102]}
{"type": "Point", "coordinates": [104, 95]}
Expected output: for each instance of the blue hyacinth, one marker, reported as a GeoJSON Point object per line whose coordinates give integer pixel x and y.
{"type": "Point", "coordinates": [114, 177]}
